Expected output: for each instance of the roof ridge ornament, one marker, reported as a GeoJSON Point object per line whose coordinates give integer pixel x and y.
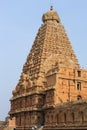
{"type": "Point", "coordinates": [51, 7]}
{"type": "Point", "coordinates": [51, 15]}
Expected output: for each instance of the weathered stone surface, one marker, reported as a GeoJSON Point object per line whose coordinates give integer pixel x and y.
{"type": "Point", "coordinates": [52, 89]}
{"type": "Point", "coordinates": [8, 124]}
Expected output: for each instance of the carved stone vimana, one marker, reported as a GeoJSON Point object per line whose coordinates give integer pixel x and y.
{"type": "Point", "coordinates": [52, 88]}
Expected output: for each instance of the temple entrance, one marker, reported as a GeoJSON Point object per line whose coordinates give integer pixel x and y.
{"type": "Point", "coordinates": [40, 121]}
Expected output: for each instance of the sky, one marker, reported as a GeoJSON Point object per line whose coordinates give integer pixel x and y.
{"type": "Point", "coordinates": [19, 24]}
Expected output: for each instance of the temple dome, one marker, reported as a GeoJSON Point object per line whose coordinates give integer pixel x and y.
{"type": "Point", "coordinates": [51, 15]}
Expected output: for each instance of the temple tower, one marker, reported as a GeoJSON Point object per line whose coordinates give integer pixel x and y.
{"type": "Point", "coordinates": [50, 67]}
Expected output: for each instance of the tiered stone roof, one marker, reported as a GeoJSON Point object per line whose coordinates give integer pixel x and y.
{"type": "Point", "coordinates": [51, 47]}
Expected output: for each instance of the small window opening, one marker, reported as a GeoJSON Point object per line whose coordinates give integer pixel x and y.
{"type": "Point", "coordinates": [79, 73]}
{"type": "Point", "coordinates": [78, 86]}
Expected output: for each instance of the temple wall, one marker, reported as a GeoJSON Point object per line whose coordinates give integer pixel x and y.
{"type": "Point", "coordinates": [66, 116]}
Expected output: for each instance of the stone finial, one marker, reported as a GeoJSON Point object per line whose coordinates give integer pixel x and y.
{"type": "Point", "coordinates": [51, 15]}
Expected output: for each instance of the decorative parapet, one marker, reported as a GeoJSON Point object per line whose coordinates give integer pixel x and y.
{"type": "Point", "coordinates": [32, 91]}
{"type": "Point", "coordinates": [28, 109]}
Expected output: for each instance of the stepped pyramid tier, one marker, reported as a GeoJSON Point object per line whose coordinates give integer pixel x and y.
{"type": "Point", "coordinates": [50, 77]}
